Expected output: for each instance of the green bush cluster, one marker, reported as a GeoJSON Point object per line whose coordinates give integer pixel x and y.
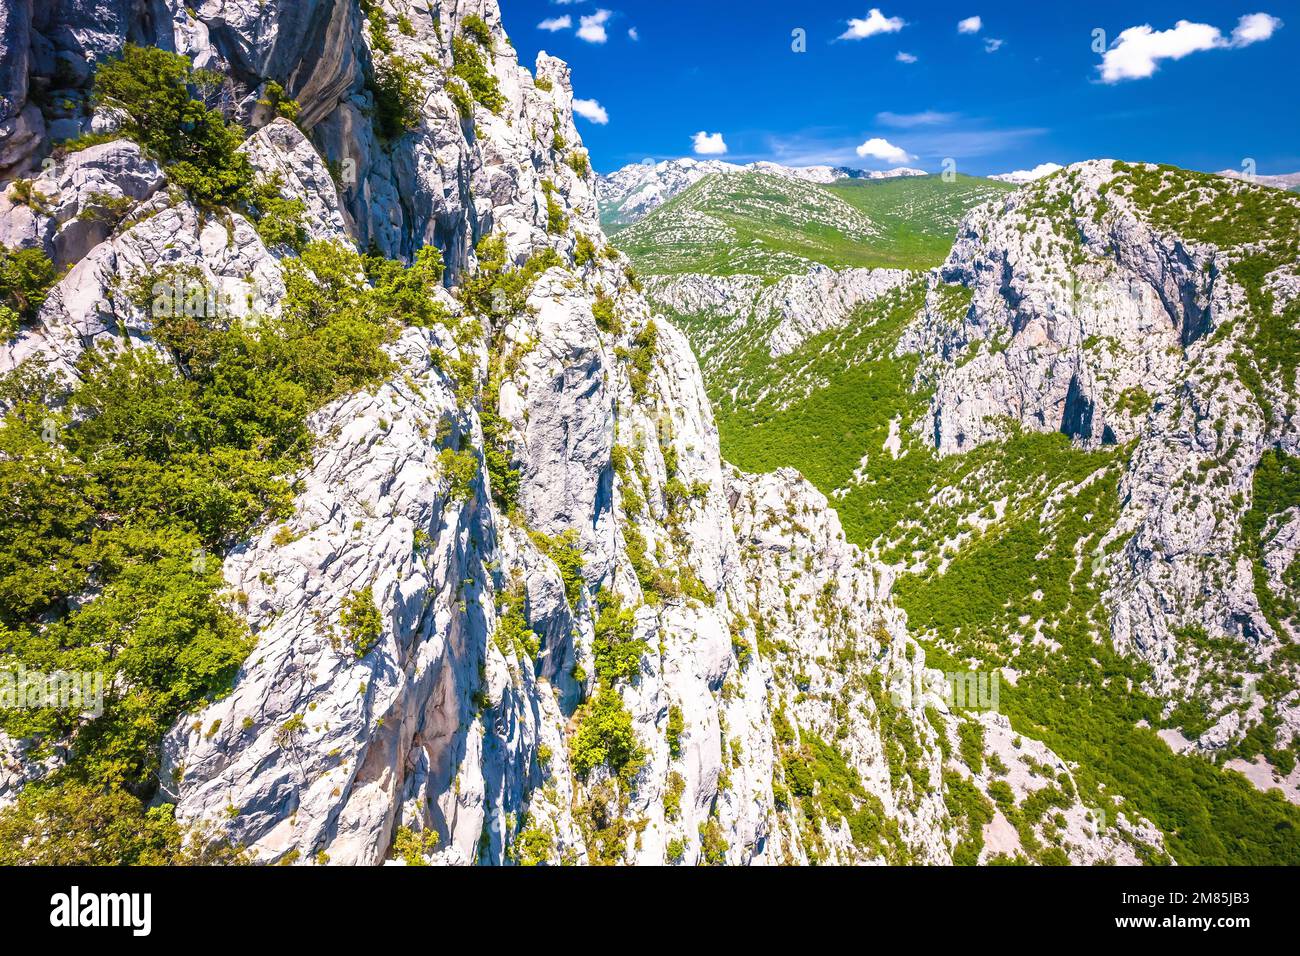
{"type": "Point", "coordinates": [397, 91]}
{"type": "Point", "coordinates": [579, 163]}
{"type": "Point", "coordinates": [605, 313]}
{"type": "Point", "coordinates": [584, 251]}
{"type": "Point", "coordinates": [676, 727]}
{"type": "Point", "coordinates": [26, 276]}
{"type": "Point", "coordinates": [199, 148]}
{"type": "Point", "coordinates": [557, 221]}
{"type": "Point", "coordinates": [413, 847]}
{"type": "Point", "coordinates": [534, 845]}
{"type": "Point", "coordinates": [460, 468]}
{"type": "Point", "coordinates": [565, 551]}
{"type": "Point", "coordinates": [617, 651]}
{"type": "Point", "coordinates": [361, 621]}
{"type": "Point", "coordinates": [970, 811]}
{"type": "Point", "coordinates": [713, 846]}
{"type": "Point", "coordinates": [605, 736]}
{"type": "Point", "coordinates": [280, 221]}
{"type": "Point", "coordinates": [149, 471]}
{"type": "Point", "coordinates": [80, 825]}
{"type": "Point", "coordinates": [513, 635]}
{"type": "Point", "coordinates": [640, 358]}
{"type": "Point", "coordinates": [278, 102]}
{"type": "Point", "coordinates": [467, 52]}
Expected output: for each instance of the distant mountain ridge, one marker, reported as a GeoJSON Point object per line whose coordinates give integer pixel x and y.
{"type": "Point", "coordinates": [629, 194]}
{"type": "Point", "coordinates": [754, 223]}
{"type": "Point", "coordinates": [1021, 176]}
{"type": "Point", "coordinates": [1289, 181]}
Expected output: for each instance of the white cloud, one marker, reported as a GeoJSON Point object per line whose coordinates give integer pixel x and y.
{"type": "Point", "coordinates": [912, 120]}
{"type": "Point", "coordinates": [992, 45]}
{"type": "Point", "coordinates": [591, 110]}
{"type": "Point", "coordinates": [708, 144]}
{"type": "Point", "coordinates": [905, 57]}
{"type": "Point", "coordinates": [1029, 175]}
{"type": "Point", "coordinates": [592, 28]}
{"type": "Point", "coordinates": [875, 22]}
{"type": "Point", "coordinates": [883, 149]}
{"type": "Point", "coordinates": [1254, 27]}
{"type": "Point", "coordinates": [970, 25]}
{"type": "Point", "coordinates": [556, 23]}
{"type": "Point", "coordinates": [632, 34]}
{"type": "Point", "coordinates": [1137, 51]}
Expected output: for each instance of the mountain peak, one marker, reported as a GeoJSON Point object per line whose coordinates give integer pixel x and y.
{"type": "Point", "coordinates": [629, 194]}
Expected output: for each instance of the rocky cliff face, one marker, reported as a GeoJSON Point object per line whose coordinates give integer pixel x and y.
{"type": "Point", "coordinates": [765, 674]}
{"type": "Point", "coordinates": [1100, 307]}
{"type": "Point", "coordinates": [795, 307]}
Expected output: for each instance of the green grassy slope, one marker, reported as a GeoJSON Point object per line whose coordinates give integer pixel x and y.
{"type": "Point", "coordinates": [770, 226]}
{"type": "Point", "coordinates": [919, 215]}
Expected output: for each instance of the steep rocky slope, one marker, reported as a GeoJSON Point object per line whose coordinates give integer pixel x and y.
{"type": "Point", "coordinates": [1073, 441]}
{"type": "Point", "coordinates": [511, 605]}
{"type": "Point", "coordinates": [1151, 308]}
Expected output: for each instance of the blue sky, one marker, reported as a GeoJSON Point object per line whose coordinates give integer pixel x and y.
{"type": "Point", "coordinates": [1020, 87]}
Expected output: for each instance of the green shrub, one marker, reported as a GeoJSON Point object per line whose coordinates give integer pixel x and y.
{"type": "Point", "coordinates": [78, 825]}
{"type": "Point", "coordinates": [617, 652]}
{"type": "Point", "coordinates": [475, 28]}
{"type": "Point", "coordinates": [534, 846]}
{"type": "Point", "coordinates": [274, 99]}
{"type": "Point", "coordinates": [740, 647]}
{"type": "Point", "coordinates": [361, 621]}
{"type": "Point", "coordinates": [469, 66]}
{"type": "Point", "coordinates": [563, 549]}
{"type": "Point", "coordinates": [579, 163]}
{"type": "Point", "coordinates": [557, 222]}
{"type": "Point", "coordinates": [641, 357]}
{"type": "Point", "coordinates": [460, 468]}
{"type": "Point", "coordinates": [135, 483]}
{"type": "Point", "coordinates": [606, 315]}
{"type": "Point", "coordinates": [408, 292]}
{"type": "Point", "coordinates": [151, 87]}
{"type": "Point", "coordinates": [26, 276]}
{"type": "Point", "coordinates": [513, 636]}
{"type": "Point", "coordinates": [380, 40]}
{"type": "Point", "coordinates": [675, 850]}
{"type": "Point", "coordinates": [673, 796]}
{"type": "Point", "coordinates": [584, 252]}
{"type": "Point", "coordinates": [605, 737]}
{"type": "Point", "coordinates": [24, 192]}
{"type": "Point", "coordinates": [461, 98]}
{"type": "Point", "coordinates": [1002, 795]}
{"type": "Point", "coordinates": [970, 811]}
{"type": "Point", "coordinates": [280, 221]}
{"type": "Point", "coordinates": [676, 727]}
{"type": "Point", "coordinates": [970, 735]}
{"type": "Point", "coordinates": [413, 848]}
{"type": "Point", "coordinates": [713, 848]}
{"type": "Point", "coordinates": [397, 91]}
